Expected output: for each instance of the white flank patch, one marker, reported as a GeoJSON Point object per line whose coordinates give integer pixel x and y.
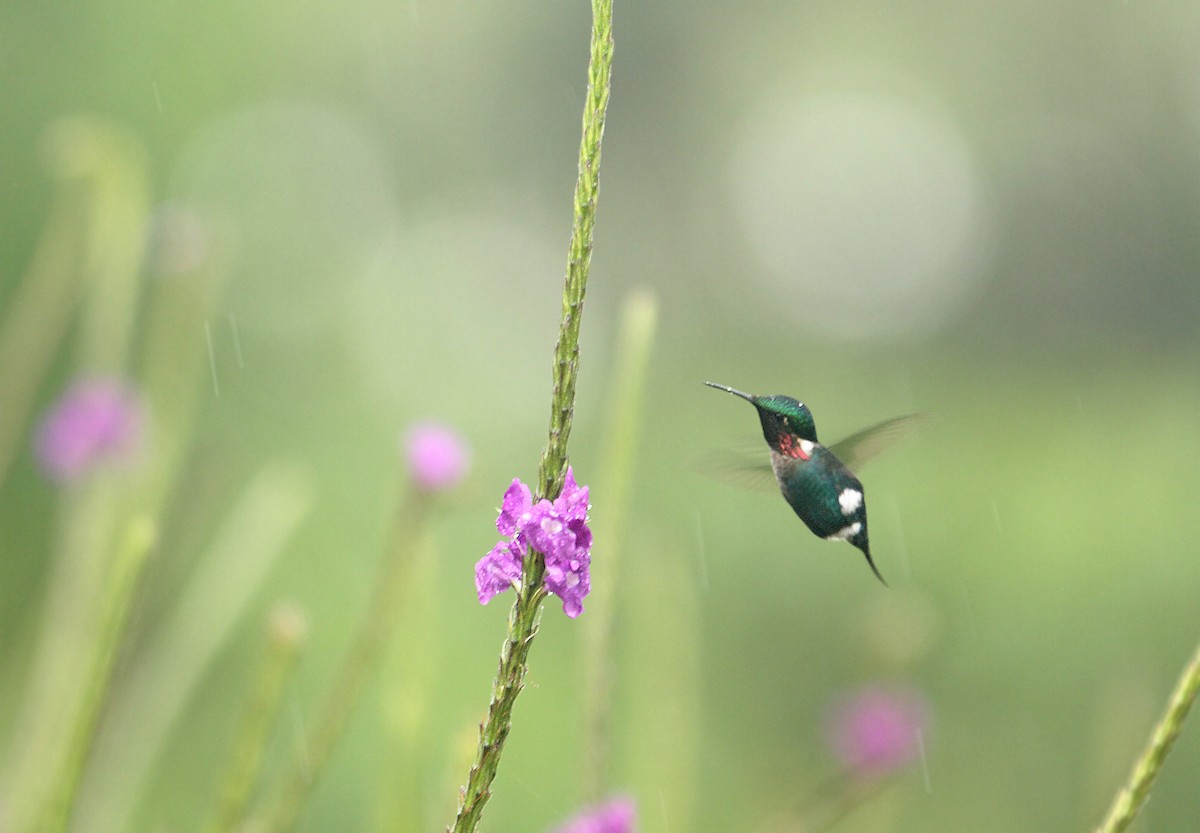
{"type": "Point", "coordinates": [850, 499]}
{"type": "Point", "coordinates": [807, 447]}
{"type": "Point", "coordinates": [845, 533]}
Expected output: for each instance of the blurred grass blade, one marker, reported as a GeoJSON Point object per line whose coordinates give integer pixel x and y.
{"type": "Point", "coordinates": [230, 573]}
{"type": "Point", "coordinates": [362, 658]}
{"type": "Point", "coordinates": [107, 166]}
{"type": "Point", "coordinates": [409, 701]}
{"type": "Point", "coordinates": [115, 238]}
{"type": "Point", "coordinates": [123, 581]}
{"type": "Point", "coordinates": [101, 189]}
{"type": "Point", "coordinates": [172, 359]}
{"type": "Point", "coordinates": [285, 635]}
{"type": "Point", "coordinates": [626, 395]}
{"type": "Point", "coordinates": [661, 737]}
{"type": "Point", "coordinates": [68, 626]}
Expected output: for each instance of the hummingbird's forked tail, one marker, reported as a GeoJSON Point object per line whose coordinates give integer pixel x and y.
{"type": "Point", "coordinates": [874, 569]}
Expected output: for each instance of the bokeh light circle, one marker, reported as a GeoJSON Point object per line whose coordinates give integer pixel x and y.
{"type": "Point", "coordinates": [864, 209]}
{"type": "Point", "coordinates": [303, 197]}
{"type": "Point", "coordinates": [458, 296]}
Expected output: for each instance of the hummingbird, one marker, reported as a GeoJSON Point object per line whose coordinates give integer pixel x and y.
{"type": "Point", "coordinates": [817, 481]}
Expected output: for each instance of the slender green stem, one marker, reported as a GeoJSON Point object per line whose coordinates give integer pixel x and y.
{"type": "Point", "coordinates": [285, 634]}
{"type": "Point", "coordinates": [310, 759]}
{"type": "Point", "coordinates": [123, 581]}
{"type": "Point", "coordinates": [566, 352]}
{"type": "Point", "coordinates": [523, 619]}
{"type": "Point", "coordinates": [1133, 795]}
{"type": "Point", "coordinates": [510, 678]}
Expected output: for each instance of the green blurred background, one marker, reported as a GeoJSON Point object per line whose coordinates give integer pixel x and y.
{"type": "Point", "coordinates": [985, 212]}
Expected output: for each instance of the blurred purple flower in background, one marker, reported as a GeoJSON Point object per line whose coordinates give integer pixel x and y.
{"type": "Point", "coordinates": [557, 530]}
{"type": "Point", "coordinates": [876, 730]}
{"type": "Point", "coordinates": [94, 421]}
{"type": "Point", "coordinates": [614, 816]}
{"type": "Point", "coordinates": [438, 457]}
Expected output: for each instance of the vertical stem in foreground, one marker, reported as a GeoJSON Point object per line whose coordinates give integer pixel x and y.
{"type": "Point", "coordinates": [566, 351]}
{"type": "Point", "coordinates": [522, 620]}
{"type": "Point", "coordinates": [1134, 794]}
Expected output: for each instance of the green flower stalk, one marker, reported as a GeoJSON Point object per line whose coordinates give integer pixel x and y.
{"type": "Point", "coordinates": [1133, 795]}
{"type": "Point", "coordinates": [90, 247]}
{"type": "Point", "coordinates": [310, 759]}
{"type": "Point", "coordinates": [579, 260]}
{"type": "Point", "coordinates": [437, 460]}
{"type": "Point", "coordinates": [286, 631]}
{"type": "Point", "coordinates": [523, 619]}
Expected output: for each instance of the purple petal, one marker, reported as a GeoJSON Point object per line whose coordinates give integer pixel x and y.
{"type": "Point", "coordinates": [568, 567]}
{"type": "Point", "coordinates": [569, 484]}
{"type": "Point", "coordinates": [514, 511]}
{"type": "Point", "coordinates": [548, 532]}
{"type": "Point", "coordinates": [498, 570]}
{"type": "Point", "coordinates": [572, 503]}
{"type": "Point", "coordinates": [615, 816]}
{"type": "Point", "coordinates": [583, 534]}
{"type": "Point", "coordinates": [94, 420]}
{"type": "Point", "coordinates": [437, 457]}
{"type": "Point", "coordinates": [568, 577]}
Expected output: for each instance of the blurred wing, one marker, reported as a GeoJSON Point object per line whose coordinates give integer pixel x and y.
{"type": "Point", "coordinates": [861, 447]}
{"type": "Point", "coordinates": [747, 469]}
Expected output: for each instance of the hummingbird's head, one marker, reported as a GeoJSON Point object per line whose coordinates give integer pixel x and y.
{"type": "Point", "coordinates": [781, 416]}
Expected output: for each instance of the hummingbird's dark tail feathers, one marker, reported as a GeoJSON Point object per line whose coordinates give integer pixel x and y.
{"type": "Point", "coordinates": [874, 569]}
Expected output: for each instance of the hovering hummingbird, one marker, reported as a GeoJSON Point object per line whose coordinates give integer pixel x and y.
{"type": "Point", "coordinates": [817, 482]}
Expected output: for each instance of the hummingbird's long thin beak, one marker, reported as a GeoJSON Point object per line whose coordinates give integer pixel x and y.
{"type": "Point", "coordinates": [728, 389]}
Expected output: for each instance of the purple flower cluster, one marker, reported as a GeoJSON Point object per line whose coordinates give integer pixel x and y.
{"type": "Point", "coordinates": [558, 530]}
{"type": "Point", "coordinates": [615, 816]}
